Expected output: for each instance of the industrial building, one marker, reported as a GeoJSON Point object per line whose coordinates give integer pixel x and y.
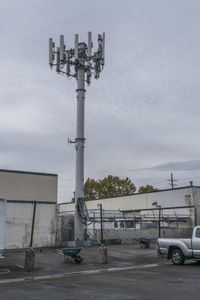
{"type": "Point", "coordinates": [33, 218]}
{"type": "Point", "coordinates": [172, 211]}
{"type": "Point", "coordinates": [31, 200]}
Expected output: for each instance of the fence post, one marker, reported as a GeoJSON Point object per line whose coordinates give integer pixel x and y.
{"type": "Point", "coordinates": [33, 223]}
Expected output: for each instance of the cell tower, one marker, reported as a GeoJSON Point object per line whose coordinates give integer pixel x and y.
{"type": "Point", "coordinates": [81, 63]}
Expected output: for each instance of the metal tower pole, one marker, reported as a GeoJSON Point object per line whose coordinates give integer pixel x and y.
{"type": "Point", "coordinates": [79, 227]}
{"type": "Point", "coordinates": [84, 63]}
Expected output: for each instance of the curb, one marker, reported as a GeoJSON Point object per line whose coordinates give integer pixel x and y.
{"type": "Point", "coordinates": [81, 273]}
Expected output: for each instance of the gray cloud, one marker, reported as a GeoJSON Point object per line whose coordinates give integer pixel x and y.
{"type": "Point", "coordinates": [142, 112]}
{"type": "Point", "coordinates": [179, 166]}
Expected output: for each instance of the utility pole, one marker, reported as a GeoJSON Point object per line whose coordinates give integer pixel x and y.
{"type": "Point", "coordinates": [79, 62]}
{"type": "Point", "coordinates": [159, 217]}
{"type": "Point", "coordinates": [171, 181]}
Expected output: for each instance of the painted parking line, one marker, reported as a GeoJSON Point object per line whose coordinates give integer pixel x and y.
{"type": "Point", "coordinates": [59, 251]}
{"type": "Point", "coordinates": [20, 266]}
{"type": "Point", "coordinates": [81, 273]}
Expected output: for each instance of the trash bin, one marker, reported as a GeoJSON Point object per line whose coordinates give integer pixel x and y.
{"type": "Point", "coordinates": [29, 260]}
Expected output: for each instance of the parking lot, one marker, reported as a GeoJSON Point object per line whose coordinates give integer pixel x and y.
{"type": "Point", "coordinates": [132, 273]}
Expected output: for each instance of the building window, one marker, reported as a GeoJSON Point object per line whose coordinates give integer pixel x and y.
{"type": "Point", "coordinates": [130, 224]}
{"type": "Point", "coordinates": [121, 224]}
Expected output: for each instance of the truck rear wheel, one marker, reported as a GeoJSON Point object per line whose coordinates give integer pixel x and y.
{"type": "Point", "coordinates": [177, 257]}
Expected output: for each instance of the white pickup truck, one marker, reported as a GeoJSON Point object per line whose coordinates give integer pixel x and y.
{"type": "Point", "coordinates": [178, 250]}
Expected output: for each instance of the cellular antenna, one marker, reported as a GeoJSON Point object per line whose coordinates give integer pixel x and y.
{"type": "Point", "coordinates": [62, 48]}
{"type": "Point", "coordinates": [103, 49]}
{"type": "Point", "coordinates": [76, 47]}
{"type": "Point", "coordinates": [51, 52]}
{"type": "Point", "coordinates": [89, 44]}
{"type": "Point", "coordinates": [58, 60]}
{"type": "Point", "coordinates": [79, 62]}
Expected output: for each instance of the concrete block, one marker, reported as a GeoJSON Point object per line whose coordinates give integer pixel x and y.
{"type": "Point", "coordinates": [29, 260]}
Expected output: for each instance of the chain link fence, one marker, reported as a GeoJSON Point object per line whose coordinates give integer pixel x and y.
{"type": "Point", "coordinates": [117, 226]}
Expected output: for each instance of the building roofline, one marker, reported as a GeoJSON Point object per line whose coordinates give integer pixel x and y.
{"type": "Point", "coordinates": [158, 191]}
{"type": "Point", "coordinates": [165, 190]}
{"type": "Point", "coordinates": [27, 172]}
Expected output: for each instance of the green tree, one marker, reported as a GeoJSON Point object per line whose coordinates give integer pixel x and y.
{"type": "Point", "coordinates": [91, 189]}
{"type": "Point", "coordinates": [110, 186]}
{"type": "Point", "coordinates": [147, 189]}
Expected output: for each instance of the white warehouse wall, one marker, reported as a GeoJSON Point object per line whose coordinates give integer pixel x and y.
{"type": "Point", "coordinates": [196, 197]}
{"type": "Point", "coordinates": [23, 190]}
{"type": "Point", "coordinates": [28, 186]}
{"type": "Point", "coordinates": [19, 223]}
{"type": "Point", "coordinates": [2, 225]}
{"type": "Point", "coordinates": [166, 198]}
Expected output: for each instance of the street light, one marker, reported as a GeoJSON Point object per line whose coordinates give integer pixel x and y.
{"type": "Point", "coordinates": [159, 216]}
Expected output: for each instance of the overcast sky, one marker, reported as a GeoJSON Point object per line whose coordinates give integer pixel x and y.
{"type": "Point", "coordinates": [142, 115]}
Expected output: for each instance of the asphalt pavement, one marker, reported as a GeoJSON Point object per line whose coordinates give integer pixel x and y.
{"type": "Point", "coordinates": [50, 262]}
{"type": "Point", "coordinates": [131, 273]}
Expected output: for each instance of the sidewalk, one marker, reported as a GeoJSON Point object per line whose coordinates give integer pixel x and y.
{"type": "Point", "coordinates": [50, 262]}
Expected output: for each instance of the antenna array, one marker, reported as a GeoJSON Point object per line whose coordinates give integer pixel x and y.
{"type": "Point", "coordinates": [81, 56]}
